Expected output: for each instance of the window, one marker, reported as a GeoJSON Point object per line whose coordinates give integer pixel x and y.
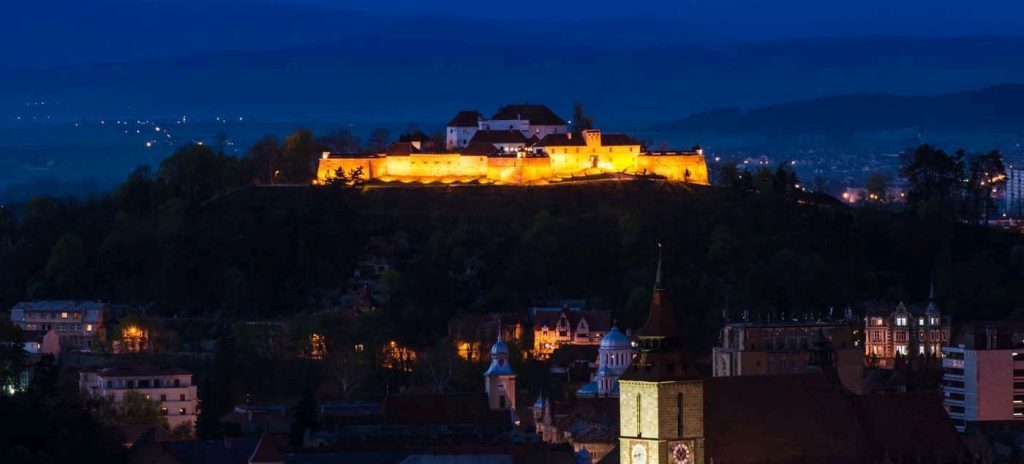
{"type": "Point", "coordinates": [183, 411]}
{"type": "Point", "coordinates": [679, 414]}
{"type": "Point", "coordinates": [163, 398]}
{"type": "Point", "coordinates": [163, 411]}
{"type": "Point", "coordinates": [501, 402]}
{"type": "Point", "coordinates": [130, 384]}
{"type": "Point", "coordinates": [1018, 385]}
{"type": "Point", "coordinates": [63, 315]}
{"type": "Point", "coordinates": [901, 321]}
{"type": "Point", "coordinates": [638, 434]}
{"type": "Point", "coordinates": [110, 384]}
{"type": "Point", "coordinates": [88, 327]}
{"type": "Point", "coordinates": [1018, 372]}
{"type": "Point", "coordinates": [181, 397]}
{"type": "Point", "coordinates": [143, 383]}
{"type": "Point", "coordinates": [177, 382]}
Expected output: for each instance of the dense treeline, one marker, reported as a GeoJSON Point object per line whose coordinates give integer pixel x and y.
{"type": "Point", "coordinates": [195, 238]}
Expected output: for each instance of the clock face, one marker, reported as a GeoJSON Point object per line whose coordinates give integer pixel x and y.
{"type": "Point", "coordinates": [639, 454]}
{"type": "Point", "coordinates": [681, 454]}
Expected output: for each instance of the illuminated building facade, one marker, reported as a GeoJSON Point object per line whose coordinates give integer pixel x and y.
{"type": "Point", "coordinates": [472, 333]}
{"type": "Point", "coordinates": [983, 375]}
{"type": "Point", "coordinates": [522, 144]}
{"type": "Point", "coordinates": [172, 387]}
{"type": "Point", "coordinates": [766, 348]}
{"type": "Point", "coordinates": [77, 323]}
{"type": "Point", "coordinates": [904, 332]}
{"type": "Point", "coordinates": [568, 324]}
{"type": "Point", "coordinates": [500, 380]}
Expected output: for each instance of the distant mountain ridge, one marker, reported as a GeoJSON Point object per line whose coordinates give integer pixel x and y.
{"type": "Point", "coordinates": [998, 108]}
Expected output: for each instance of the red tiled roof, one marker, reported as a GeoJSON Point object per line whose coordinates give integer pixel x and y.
{"type": "Point", "coordinates": [609, 140]}
{"type": "Point", "coordinates": [479, 148]}
{"type": "Point", "coordinates": [538, 115]}
{"type": "Point", "coordinates": [560, 140]}
{"type": "Point", "coordinates": [401, 148]}
{"type": "Point", "coordinates": [910, 425]}
{"type": "Point", "coordinates": [781, 418]}
{"type": "Point", "coordinates": [466, 118]}
{"type": "Point", "coordinates": [498, 136]}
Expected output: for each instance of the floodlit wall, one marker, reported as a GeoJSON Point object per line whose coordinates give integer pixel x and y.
{"type": "Point", "coordinates": [560, 162]}
{"type": "Point", "coordinates": [688, 167]}
{"type": "Point", "coordinates": [373, 168]}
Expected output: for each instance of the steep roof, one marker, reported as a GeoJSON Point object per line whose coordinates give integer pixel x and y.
{"type": "Point", "coordinates": [560, 140]}
{"type": "Point", "coordinates": [401, 148]}
{"type": "Point", "coordinates": [479, 148]}
{"type": "Point", "coordinates": [498, 136]}
{"type": "Point", "coordinates": [597, 320]}
{"type": "Point", "coordinates": [811, 418]}
{"type": "Point", "coordinates": [609, 140]}
{"type": "Point", "coordinates": [538, 115]}
{"type": "Point", "coordinates": [466, 118]}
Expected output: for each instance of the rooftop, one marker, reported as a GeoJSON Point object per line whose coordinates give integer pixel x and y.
{"type": "Point", "coordinates": [538, 115]}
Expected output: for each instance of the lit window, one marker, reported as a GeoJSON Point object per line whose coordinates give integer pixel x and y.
{"type": "Point", "coordinates": [88, 327]}
{"type": "Point", "coordinates": [63, 315]}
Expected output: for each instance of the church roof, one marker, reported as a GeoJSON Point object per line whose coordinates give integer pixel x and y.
{"type": "Point", "coordinates": [811, 418]}
{"type": "Point", "coordinates": [538, 115]}
{"type": "Point", "coordinates": [615, 340]}
{"type": "Point", "coordinates": [466, 118]}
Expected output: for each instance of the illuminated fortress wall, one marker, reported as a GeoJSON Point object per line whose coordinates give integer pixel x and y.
{"type": "Point", "coordinates": [689, 167]}
{"type": "Point", "coordinates": [554, 158]}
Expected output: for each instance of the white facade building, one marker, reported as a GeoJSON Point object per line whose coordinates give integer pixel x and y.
{"type": "Point", "coordinates": [983, 376]}
{"type": "Point", "coordinates": [499, 380]}
{"type": "Point", "coordinates": [528, 120]}
{"type": "Point", "coordinates": [613, 359]}
{"type": "Point", "coordinates": [172, 387]}
{"type": "Point", "coordinates": [75, 322]}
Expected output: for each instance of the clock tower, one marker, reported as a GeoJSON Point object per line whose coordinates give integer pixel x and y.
{"type": "Point", "coordinates": [661, 398]}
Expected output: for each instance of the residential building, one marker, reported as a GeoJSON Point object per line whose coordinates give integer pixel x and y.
{"type": "Point", "coordinates": [172, 387]}
{"type": "Point", "coordinates": [471, 333]}
{"type": "Point", "coordinates": [762, 348]}
{"type": "Point", "coordinates": [1014, 192]}
{"type": "Point", "coordinates": [903, 331]}
{"type": "Point", "coordinates": [555, 326]}
{"type": "Point", "coordinates": [983, 374]}
{"type": "Point", "coordinates": [39, 342]}
{"type": "Point", "coordinates": [77, 323]}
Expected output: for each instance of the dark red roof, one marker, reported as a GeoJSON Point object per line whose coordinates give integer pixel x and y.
{"type": "Point", "coordinates": [538, 115]}
{"type": "Point", "coordinates": [466, 118]}
{"type": "Point", "coordinates": [811, 418]}
{"type": "Point", "coordinates": [401, 148]}
{"type": "Point", "coordinates": [597, 320]}
{"type": "Point", "coordinates": [560, 140]}
{"type": "Point", "coordinates": [479, 148]}
{"type": "Point", "coordinates": [608, 140]}
{"type": "Point", "coordinates": [498, 136]}
{"type": "Point", "coordinates": [452, 409]}
{"type": "Point", "coordinates": [906, 426]}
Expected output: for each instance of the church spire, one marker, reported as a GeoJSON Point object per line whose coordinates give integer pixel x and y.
{"type": "Point", "coordinates": [659, 284]}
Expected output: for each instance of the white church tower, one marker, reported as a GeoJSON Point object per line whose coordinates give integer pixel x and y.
{"type": "Point", "coordinates": [499, 380]}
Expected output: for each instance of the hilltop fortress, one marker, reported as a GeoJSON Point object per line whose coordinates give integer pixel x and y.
{"type": "Point", "coordinates": [520, 144]}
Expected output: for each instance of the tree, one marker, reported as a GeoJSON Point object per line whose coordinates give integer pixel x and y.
{"type": "Point", "coordinates": [348, 368]}
{"type": "Point", "coordinates": [12, 356]}
{"type": "Point", "coordinates": [340, 141]}
{"type": "Point", "coordinates": [987, 174]}
{"type": "Point", "coordinates": [877, 187]}
{"type": "Point", "coordinates": [136, 409]}
{"type": "Point", "coordinates": [264, 157]}
{"type": "Point", "coordinates": [66, 270]}
{"type": "Point", "coordinates": [728, 175]}
{"type": "Point", "coordinates": [299, 155]}
{"type": "Point", "coordinates": [581, 121]}
{"type": "Point", "coordinates": [378, 140]}
{"type": "Point", "coordinates": [438, 369]}
{"type": "Point", "coordinates": [933, 175]}
{"type": "Point", "coordinates": [195, 174]}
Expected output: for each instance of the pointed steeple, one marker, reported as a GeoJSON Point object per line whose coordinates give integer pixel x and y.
{"type": "Point", "coordinates": [659, 283]}
{"type": "Point", "coordinates": [932, 308]}
{"type": "Point", "coordinates": [661, 320]}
